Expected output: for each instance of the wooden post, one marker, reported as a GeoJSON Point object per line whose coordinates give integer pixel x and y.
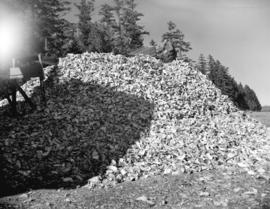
{"type": "Point", "coordinates": [43, 93]}
{"type": "Point", "coordinates": [9, 100]}
{"type": "Point", "coordinates": [41, 78]}
{"type": "Point", "coordinates": [14, 101]}
{"type": "Point", "coordinates": [27, 99]}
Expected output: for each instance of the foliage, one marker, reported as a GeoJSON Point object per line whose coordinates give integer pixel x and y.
{"type": "Point", "coordinates": [175, 39]}
{"type": "Point", "coordinates": [118, 31]}
{"type": "Point", "coordinates": [85, 25]}
{"type": "Point", "coordinates": [220, 77]}
{"type": "Point", "coordinates": [243, 97]}
{"type": "Point", "coordinates": [251, 99]}
{"type": "Point", "coordinates": [167, 53]}
{"type": "Point", "coordinates": [73, 46]}
{"type": "Point", "coordinates": [202, 64]}
{"type": "Point", "coordinates": [107, 23]}
{"type": "Point", "coordinates": [153, 43]}
{"type": "Point", "coordinates": [132, 30]}
{"type": "Point", "coordinates": [120, 20]}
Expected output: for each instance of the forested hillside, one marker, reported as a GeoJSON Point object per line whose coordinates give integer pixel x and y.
{"type": "Point", "coordinates": [118, 30]}
{"type": "Point", "coordinates": [243, 96]}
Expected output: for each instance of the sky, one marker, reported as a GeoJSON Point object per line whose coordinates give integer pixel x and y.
{"type": "Point", "coordinates": [236, 32]}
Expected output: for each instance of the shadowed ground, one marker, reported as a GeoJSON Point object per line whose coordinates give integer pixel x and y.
{"type": "Point", "coordinates": [83, 129]}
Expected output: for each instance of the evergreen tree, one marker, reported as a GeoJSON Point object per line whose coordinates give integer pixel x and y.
{"type": "Point", "coordinates": [202, 64]}
{"type": "Point", "coordinates": [241, 100]}
{"type": "Point", "coordinates": [120, 42]}
{"type": "Point", "coordinates": [47, 22]}
{"type": "Point", "coordinates": [107, 16]}
{"type": "Point", "coordinates": [85, 25]}
{"type": "Point", "coordinates": [176, 38]}
{"type": "Point", "coordinates": [73, 46]}
{"type": "Point", "coordinates": [121, 21]}
{"type": "Point", "coordinates": [100, 38]}
{"type": "Point", "coordinates": [153, 43]}
{"type": "Point", "coordinates": [243, 97]}
{"type": "Point", "coordinates": [251, 99]}
{"type": "Point", "coordinates": [211, 63]}
{"type": "Point", "coordinates": [107, 25]}
{"type": "Point", "coordinates": [132, 30]}
{"type": "Point", "coordinates": [219, 75]}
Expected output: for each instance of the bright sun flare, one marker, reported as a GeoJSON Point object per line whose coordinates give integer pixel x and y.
{"type": "Point", "coordinates": [9, 39]}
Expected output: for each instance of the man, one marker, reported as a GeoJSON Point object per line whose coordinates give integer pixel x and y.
{"type": "Point", "coordinates": [168, 52]}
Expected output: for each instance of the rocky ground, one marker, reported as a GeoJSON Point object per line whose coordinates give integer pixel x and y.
{"type": "Point", "coordinates": [111, 119]}
{"type": "Point", "coordinates": [208, 189]}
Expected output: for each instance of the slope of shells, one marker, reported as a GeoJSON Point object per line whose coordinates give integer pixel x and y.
{"type": "Point", "coordinates": [111, 119]}
{"type": "Point", "coordinates": [193, 126]}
